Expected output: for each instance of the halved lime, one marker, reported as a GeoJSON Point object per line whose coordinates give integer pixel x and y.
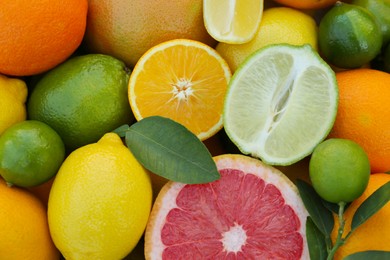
{"type": "Point", "coordinates": [281, 103]}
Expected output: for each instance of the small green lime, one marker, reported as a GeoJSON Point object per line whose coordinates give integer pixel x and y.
{"type": "Point", "coordinates": [82, 99]}
{"type": "Point", "coordinates": [381, 11]}
{"type": "Point", "coordinates": [349, 36]}
{"type": "Point", "coordinates": [339, 170]}
{"type": "Point", "coordinates": [31, 153]}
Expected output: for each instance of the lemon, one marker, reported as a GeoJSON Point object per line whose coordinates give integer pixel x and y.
{"type": "Point", "coordinates": [31, 153]}
{"type": "Point", "coordinates": [281, 103]}
{"type": "Point", "coordinates": [278, 25]}
{"type": "Point", "coordinates": [100, 201]}
{"type": "Point", "coordinates": [349, 36]}
{"type": "Point", "coordinates": [82, 99]}
{"type": "Point", "coordinates": [232, 21]}
{"type": "Point", "coordinates": [13, 95]}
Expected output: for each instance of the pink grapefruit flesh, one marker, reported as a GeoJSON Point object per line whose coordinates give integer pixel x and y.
{"type": "Point", "coordinates": [252, 212]}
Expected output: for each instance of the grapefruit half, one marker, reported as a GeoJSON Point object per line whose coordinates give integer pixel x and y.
{"type": "Point", "coordinates": [252, 212]}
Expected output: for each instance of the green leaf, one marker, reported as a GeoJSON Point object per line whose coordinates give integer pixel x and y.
{"type": "Point", "coordinates": [122, 130]}
{"type": "Point", "coordinates": [372, 255]}
{"type": "Point", "coordinates": [320, 215]}
{"type": "Point", "coordinates": [371, 205]}
{"type": "Point", "coordinates": [315, 241]}
{"type": "Point", "coordinates": [168, 149]}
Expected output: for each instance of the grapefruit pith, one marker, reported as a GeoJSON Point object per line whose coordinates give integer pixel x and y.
{"type": "Point", "coordinates": [252, 212]}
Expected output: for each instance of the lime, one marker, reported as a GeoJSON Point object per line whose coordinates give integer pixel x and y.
{"type": "Point", "coordinates": [381, 11]}
{"type": "Point", "coordinates": [31, 153]}
{"type": "Point", "coordinates": [82, 99]}
{"type": "Point", "coordinates": [339, 170]}
{"type": "Point", "coordinates": [349, 36]}
{"type": "Point", "coordinates": [281, 103]}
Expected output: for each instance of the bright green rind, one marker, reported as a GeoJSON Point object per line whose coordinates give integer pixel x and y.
{"type": "Point", "coordinates": [308, 115]}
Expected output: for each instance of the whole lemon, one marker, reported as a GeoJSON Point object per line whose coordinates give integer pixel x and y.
{"type": "Point", "coordinates": [100, 201]}
{"type": "Point", "coordinates": [13, 95]}
{"type": "Point", "coordinates": [82, 99]}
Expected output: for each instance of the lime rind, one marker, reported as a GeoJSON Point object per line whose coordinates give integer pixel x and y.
{"type": "Point", "coordinates": [281, 103]}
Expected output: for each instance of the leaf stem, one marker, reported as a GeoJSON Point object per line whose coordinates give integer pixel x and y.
{"type": "Point", "coordinates": [339, 240]}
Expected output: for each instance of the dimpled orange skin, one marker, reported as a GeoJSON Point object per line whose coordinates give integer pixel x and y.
{"type": "Point", "coordinates": [35, 36]}
{"type": "Point", "coordinates": [364, 113]}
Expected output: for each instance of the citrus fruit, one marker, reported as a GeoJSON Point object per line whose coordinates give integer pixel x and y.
{"type": "Point", "coordinates": [31, 153]}
{"type": "Point", "coordinates": [252, 212]}
{"type": "Point", "coordinates": [278, 25]}
{"type": "Point", "coordinates": [381, 11]}
{"type": "Point", "coordinates": [36, 37]}
{"type": "Point", "coordinates": [100, 201]}
{"type": "Point", "coordinates": [339, 170]}
{"type": "Point", "coordinates": [307, 4]}
{"type": "Point", "coordinates": [126, 29]}
{"type": "Point", "coordinates": [183, 80]}
{"type": "Point", "coordinates": [23, 225]}
{"type": "Point", "coordinates": [363, 114]}
{"type": "Point", "coordinates": [281, 103]}
{"type": "Point", "coordinates": [373, 234]}
{"type": "Point", "coordinates": [349, 36]}
{"type": "Point", "coordinates": [82, 99]}
{"type": "Point", "coordinates": [232, 21]}
{"type": "Point", "coordinates": [13, 95]}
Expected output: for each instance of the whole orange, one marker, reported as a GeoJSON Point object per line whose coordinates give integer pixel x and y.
{"type": "Point", "coordinates": [364, 113]}
{"type": "Point", "coordinates": [374, 234]}
{"type": "Point", "coordinates": [307, 4]}
{"type": "Point", "coordinates": [126, 29]}
{"type": "Point", "coordinates": [35, 36]}
{"type": "Point", "coordinates": [24, 228]}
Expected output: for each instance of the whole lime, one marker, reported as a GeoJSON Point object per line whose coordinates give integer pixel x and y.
{"type": "Point", "coordinates": [31, 153]}
{"type": "Point", "coordinates": [339, 170]}
{"type": "Point", "coordinates": [349, 36]}
{"type": "Point", "coordinates": [82, 99]}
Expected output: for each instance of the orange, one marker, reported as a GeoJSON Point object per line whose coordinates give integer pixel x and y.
{"type": "Point", "coordinates": [364, 113]}
{"type": "Point", "coordinates": [307, 4]}
{"type": "Point", "coordinates": [36, 36]}
{"type": "Point", "coordinates": [252, 212]}
{"type": "Point", "coordinates": [23, 224]}
{"type": "Point", "coordinates": [126, 29]}
{"type": "Point", "coordinates": [183, 80]}
{"type": "Point", "coordinates": [374, 234]}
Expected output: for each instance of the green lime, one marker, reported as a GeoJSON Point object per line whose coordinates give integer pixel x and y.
{"type": "Point", "coordinates": [31, 153]}
{"type": "Point", "coordinates": [349, 36]}
{"type": "Point", "coordinates": [339, 170]}
{"type": "Point", "coordinates": [281, 103]}
{"type": "Point", "coordinates": [381, 11]}
{"type": "Point", "coordinates": [83, 98]}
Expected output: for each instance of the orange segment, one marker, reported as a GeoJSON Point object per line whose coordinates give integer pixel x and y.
{"type": "Point", "coordinates": [183, 80]}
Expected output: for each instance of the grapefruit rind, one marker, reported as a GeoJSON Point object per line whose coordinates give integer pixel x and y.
{"type": "Point", "coordinates": [166, 200]}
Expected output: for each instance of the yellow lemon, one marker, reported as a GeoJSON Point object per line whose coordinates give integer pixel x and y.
{"type": "Point", "coordinates": [100, 201]}
{"type": "Point", "coordinates": [13, 95]}
{"type": "Point", "coordinates": [278, 25]}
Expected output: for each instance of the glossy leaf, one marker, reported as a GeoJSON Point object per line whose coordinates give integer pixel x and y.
{"type": "Point", "coordinates": [371, 255]}
{"type": "Point", "coordinates": [320, 215]}
{"type": "Point", "coordinates": [122, 130]}
{"type": "Point", "coordinates": [371, 205]}
{"type": "Point", "coordinates": [167, 148]}
{"type": "Point", "coordinates": [315, 241]}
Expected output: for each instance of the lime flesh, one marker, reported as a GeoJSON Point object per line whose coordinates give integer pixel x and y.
{"type": "Point", "coordinates": [281, 103]}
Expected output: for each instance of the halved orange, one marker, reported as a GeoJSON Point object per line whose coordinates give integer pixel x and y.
{"type": "Point", "coordinates": [184, 80]}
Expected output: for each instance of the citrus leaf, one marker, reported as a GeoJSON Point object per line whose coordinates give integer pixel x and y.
{"type": "Point", "coordinates": [121, 131]}
{"type": "Point", "coordinates": [168, 149]}
{"type": "Point", "coordinates": [315, 241]}
{"type": "Point", "coordinates": [372, 255]}
{"type": "Point", "coordinates": [320, 215]}
{"type": "Point", "coordinates": [371, 205]}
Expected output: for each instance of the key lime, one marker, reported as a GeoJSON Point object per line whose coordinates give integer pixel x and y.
{"type": "Point", "coordinates": [349, 36]}
{"type": "Point", "coordinates": [281, 103]}
{"type": "Point", "coordinates": [31, 153]}
{"type": "Point", "coordinates": [339, 170]}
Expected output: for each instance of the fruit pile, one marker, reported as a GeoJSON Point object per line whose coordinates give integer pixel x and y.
{"type": "Point", "coordinates": [195, 129]}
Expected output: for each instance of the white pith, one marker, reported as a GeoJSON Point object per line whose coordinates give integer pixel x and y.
{"type": "Point", "coordinates": [234, 238]}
